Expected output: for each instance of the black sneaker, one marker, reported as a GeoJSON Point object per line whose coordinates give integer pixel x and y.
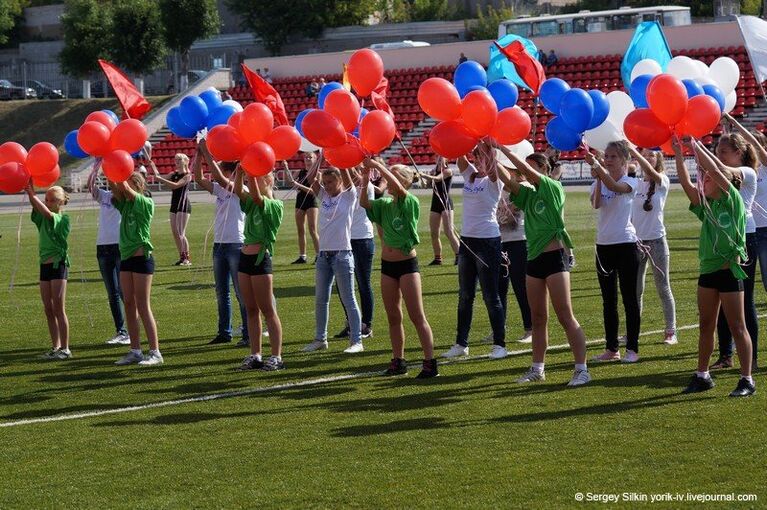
{"type": "Point", "coordinates": [398, 366]}
{"type": "Point", "coordinates": [300, 260]}
{"type": "Point", "coordinates": [366, 332]}
{"type": "Point", "coordinates": [436, 262]}
{"type": "Point", "coordinates": [456, 261]}
{"type": "Point", "coordinates": [272, 364]}
{"type": "Point", "coordinates": [178, 262]}
{"type": "Point", "coordinates": [722, 362]}
{"type": "Point", "coordinates": [244, 342]}
{"type": "Point", "coordinates": [698, 384]}
{"type": "Point", "coordinates": [743, 389]}
{"type": "Point", "coordinates": [429, 369]}
{"type": "Point", "coordinates": [251, 363]}
{"type": "Point", "coordinates": [344, 333]}
{"type": "Point", "coordinates": [220, 339]}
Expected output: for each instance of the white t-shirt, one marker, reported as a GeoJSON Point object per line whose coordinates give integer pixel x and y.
{"type": "Point", "coordinates": [362, 228]}
{"type": "Point", "coordinates": [759, 209]}
{"type": "Point", "coordinates": [109, 219]}
{"type": "Point", "coordinates": [335, 219]}
{"type": "Point", "coordinates": [748, 193]}
{"type": "Point", "coordinates": [614, 214]}
{"type": "Point", "coordinates": [649, 224]}
{"type": "Point", "coordinates": [510, 231]}
{"type": "Point", "coordinates": [230, 220]}
{"type": "Point", "coordinates": [480, 203]}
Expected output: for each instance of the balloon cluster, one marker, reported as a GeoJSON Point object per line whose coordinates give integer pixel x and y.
{"type": "Point", "coordinates": [470, 109]}
{"type": "Point", "coordinates": [103, 135]}
{"type": "Point", "coordinates": [346, 131]}
{"type": "Point", "coordinates": [576, 112]}
{"type": "Point", "coordinates": [17, 165]}
{"type": "Point", "coordinates": [196, 113]}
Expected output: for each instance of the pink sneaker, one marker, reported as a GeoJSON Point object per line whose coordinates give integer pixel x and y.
{"type": "Point", "coordinates": [670, 338]}
{"type": "Point", "coordinates": [630, 357]}
{"type": "Point", "coordinates": [608, 355]}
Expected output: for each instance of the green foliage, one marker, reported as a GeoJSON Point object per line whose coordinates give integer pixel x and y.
{"type": "Point", "coordinates": [10, 13]}
{"type": "Point", "coordinates": [87, 27]}
{"type": "Point", "coordinates": [137, 36]}
{"type": "Point", "coordinates": [486, 24]}
{"type": "Point", "coordinates": [403, 11]}
{"type": "Point", "coordinates": [751, 7]}
{"type": "Point", "coordinates": [185, 21]}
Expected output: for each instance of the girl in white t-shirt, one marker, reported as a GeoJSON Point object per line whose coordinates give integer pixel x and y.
{"type": "Point", "coordinates": [647, 217]}
{"type": "Point", "coordinates": [617, 259]}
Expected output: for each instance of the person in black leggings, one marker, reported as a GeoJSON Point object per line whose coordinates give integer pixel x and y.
{"type": "Point", "coordinates": [180, 206]}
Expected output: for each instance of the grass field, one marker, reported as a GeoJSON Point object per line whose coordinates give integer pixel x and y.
{"type": "Point", "coordinates": [470, 438]}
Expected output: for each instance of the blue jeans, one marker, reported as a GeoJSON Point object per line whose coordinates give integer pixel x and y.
{"type": "Point", "coordinates": [480, 259]}
{"type": "Point", "coordinates": [749, 308]}
{"type": "Point", "coordinates": [363, 251]}
{"type": "Point", "coordinates": [226, 260]}
{"type": "Point", "coordinates": [108, 256]}
{"type": "Point", "coordinates": [338, 265]}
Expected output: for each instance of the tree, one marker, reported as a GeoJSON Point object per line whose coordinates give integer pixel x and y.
{"type": "Point", "coordinates": [403, 11]}
{"type": "Point", "coordinates": [486, 25]}
{"type": "Point", "coordinates": [185, 21]}
{"type": "Point", "coordinates": [10, 12]}
{"type": "Point", "coordinates": [87, 27]}
{"type": "Point", "coordinates": [137, 40]}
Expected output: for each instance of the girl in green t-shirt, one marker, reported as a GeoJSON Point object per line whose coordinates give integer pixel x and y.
{"type": "Point", "coordinates": [543, 199]}
{"type": "Point", "coordinates": [720, 208]}
{"type": "Point", "coordinates": [53, 226]}
{"type": "Point", "coordinates": [400, 279]}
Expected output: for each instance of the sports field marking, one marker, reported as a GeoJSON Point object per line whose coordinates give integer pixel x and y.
{"type": "Point", "coordinates": [285, 386]}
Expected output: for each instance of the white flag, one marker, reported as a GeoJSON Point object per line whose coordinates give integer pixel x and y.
{"type": "Point", "coordinates": [754, 32]}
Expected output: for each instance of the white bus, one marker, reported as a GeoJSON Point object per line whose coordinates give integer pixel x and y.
{"type": "Point", "coordinates": [598, 21]}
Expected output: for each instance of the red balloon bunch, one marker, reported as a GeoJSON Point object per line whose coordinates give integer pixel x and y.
{"type": "Point", "coordinates": [17, 165]}
{"type": "Point", "coordinates": [250, 137]}
{"type": "Point", "coordinates": [101, 137]}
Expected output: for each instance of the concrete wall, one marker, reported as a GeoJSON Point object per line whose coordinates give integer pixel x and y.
{"type": "Point", "coordinates": [44, 21]}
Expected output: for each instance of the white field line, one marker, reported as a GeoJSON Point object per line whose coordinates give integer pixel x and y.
{"type": "Point", "coordinates": [280, 387]}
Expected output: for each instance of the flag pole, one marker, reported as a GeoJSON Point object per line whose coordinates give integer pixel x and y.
{"type": "Point", "coordinates": [750, 58]}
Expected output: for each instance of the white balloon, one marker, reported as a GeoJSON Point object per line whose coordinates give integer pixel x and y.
{"type": "Point", "coordinates": [703, 73]}
{"type": "Point", "coordinates": [234, 104]}
{"type": "Point", "coordinates": [646, 66]}
{"type": "Point", "coordinates": [214, 89]}
{"type": "Point", "coordinates": [683, 68]}
{"type": "Point", "coordinates": [620, 106]}
{"type": "Point", "coordinates": [522, 150]}
{"type": "Point", "coordinates": [730, 101]}
{"type": "Point", "coordinates": [603, 134]}
{"type": "Point", "coordinates": [307, 146]}
{"type": "Point", "coordinates": [706, 81]}
{"type": "Point", "coordinates": [725, 72]}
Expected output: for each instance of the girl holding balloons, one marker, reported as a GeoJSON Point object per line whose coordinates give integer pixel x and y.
{"type": "Point", "coordinates": [180, 205]}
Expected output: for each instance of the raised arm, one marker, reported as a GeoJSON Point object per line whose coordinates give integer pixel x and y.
{"type": "Point", "coordinates": [170, 184]}
{"type": "Point", "coordinates": [647, 168]}
{"type": "Point", "coordinates": [683, 174]}
{"type": "Point", "coordinates": [238, 189]}
{"type": "Point", "coordinates": [92, 188]}
{"type": "Point", "coordinates": [395, 187]}
{"type": "Point", "coordinates": [364, 199]}
{"type": "Point", "coordinates": [197, 171]}
{"type": "Point", "coordinates": [750, 138]}
{"type": "Point", "coordinates": [532, 176]}
{"type": "Point", "coordinates": [255, 191]}
{"type": "Point", "coordinates": [718, 172]}
{"type": "Point", "coordinates": [38, 204]}
{"type": "Point", "coordinates": [215, 170]}
{"type": "Point", "coordinates": [346, 178]}
{"type": "Point", "coordinates": [604, 176]}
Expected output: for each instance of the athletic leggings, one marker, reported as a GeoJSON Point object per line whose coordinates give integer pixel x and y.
{"type": "Point", "coordinates": [619, 263]}
{"type": "Point", "coordinates": [657, 256]}
{"type": "Point", "coordinates": [752, 323]}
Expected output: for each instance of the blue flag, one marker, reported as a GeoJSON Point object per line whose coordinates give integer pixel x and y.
{"type": "Point", "coordinates": [648, 42]}
{"type": "Point", "coordinates": [500, 67]}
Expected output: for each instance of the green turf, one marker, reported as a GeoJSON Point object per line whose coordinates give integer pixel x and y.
{"type": "Point", "coordinates": [471, 438]}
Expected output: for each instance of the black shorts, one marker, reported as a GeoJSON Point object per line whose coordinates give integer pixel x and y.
{"type": "Point", "coordinates": [547, 264]}
{"type": "Point", "coordinates": [248, 265]}
{"type": "Point", "coordinates": [305, 201]}
{"type": "Point", "coordinates": [138, 264]}
{"type": "Point", "coordinates": [440, 204]}
{"type": "Point", "coordinates": [48, 272]}
{"type": "Point", "coordinates": [722, 280]}
{"type": "Point", "coordinates": [400, 268]}
{"type": "Point", "coordinates": [183, 208]}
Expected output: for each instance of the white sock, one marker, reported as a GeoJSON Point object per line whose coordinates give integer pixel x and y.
{"type": "Point", "coordinates": [156, 352]}
{"type": "Point", "coordinates": [748, 378]}
{"type": "Point", "coordinates": [703, 375]}
{"type": "Point", "coordinates": [538, 367]}
{"type": "Point", "coordinates": [581, 366]}
{"type": "Point", "coordinates": [277, 358]}
{"type": "Point", "coordinates": [136, 351]}
{"type": "Point", "coordinates": [256, 356]}
{"type": "Point", "coordinates": [67, 351]}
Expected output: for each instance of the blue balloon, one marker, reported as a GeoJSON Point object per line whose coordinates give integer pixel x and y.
{"type": "Point", "coordinates": [363, 112]}
{"type": "Point", "coordinates": [467, 75]}
{"type": "Point", "coordinates": [475, 87]}
{"type": "Point", "coordinates": [504, 92]}
{"type": "Point", "coordinates": [551, 93]}
{"type": "Point", "coordinates": [193, 112]}
{"type": "Point", "coordinates": [327, 89]}
{"type": "Point", "coordinates": [716, 93]}
{"type": "Point", "coordinates": [212, 99]}
{"type": "Point", "coordinates": [638, 90]}
{"type": "Point", "coordinates": [113, 115]}
{"type": "Point", "coordinates": [220, 116]}
{"type": "Point", "coordinates": [300, 119]}
{"type": "Point", "coordinates": [601, 108]}
{"type": "Point", "coordinates": [693, 88]}
{"type": "Point", "coordinates": [560, 136]}
{"type": "Point", "coordinates": [576, 109]}
{"type": "Point", "coordinates": [177, 126]}
{"type": "Point", "coordinates": [72, 147]}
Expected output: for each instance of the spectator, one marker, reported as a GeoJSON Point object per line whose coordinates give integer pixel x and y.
{"type": "Point", "coordinates": [542, 57]}
{"type": "Point", "coordinates": [267, 76]}
{"type": "Point", "coordinates": [462, 59]}
{"type": "Point", "coordinates": [313, 88]}
{"type": "Point", "coordinates": [227, 96]}
{"type": "Point", "coordinates": [322, 82]}
{"type": "Point", "coordinates": [552, 60]}
{"type": "Point", "coordinates": [258, 72]}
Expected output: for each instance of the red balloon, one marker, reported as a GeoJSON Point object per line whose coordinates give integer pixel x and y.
{"type": "Point", "coordinates": [439, 99]}
{"type": "Point", "coordinates": [118, 165]}
{"type": "Point", "coordinates": [703, 114]}
{"type": "Point", "coordinates": [347, 155]}
{"type": "Point", "coordinates": [285, 141]}
{"type": "Point", "coordinates": [103, 118]}
{"type": "Point", "coordinates": [12, 152]}
{"type": "Point", "coordinates": [365, 71]}
{"type": "Point", "coordinates": [479, 112]}
{"type": "Point", "coordinates": [377, 131]}
{"type": "Point", "coordinates": [47, 179]}
{"type": "Point", "coordinates": [258, 159]}
{"type": "Point", "coordinates": [13, 177]}
{"type": "Point", "coordinates": [129, 135]}
{"type": "Point", "coordinates": [225, 143]}
{"type": "Point", "coordinates": [256, 123]}
{"type": "Point", "coordinates": [451, 139]}
{"type": "Point", "coordinates": [323, 130]}
{"type": "Point", "coordinates": [342, 105]}
{"type": "Point", "coordinates": [234, 120]}
{"type": "Point", "coordinates": [667, 148]}
{"type": "Point", "coordinates": [644, 129]}
{"type": "Point", "coordinates": [93, 138]}
{"type": "Point", "coordinates": [42, 158]}
{"type": "Point", "coordinates": [511, 127]}
{"type": "Point", "coordinates": [667, 98]}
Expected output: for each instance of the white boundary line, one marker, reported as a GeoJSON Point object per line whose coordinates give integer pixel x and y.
{"type": "Point", "coordinates": [279, 387]}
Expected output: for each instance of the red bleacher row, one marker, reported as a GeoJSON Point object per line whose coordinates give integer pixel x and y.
{"type": "Point", "coordinates": [594, 72]}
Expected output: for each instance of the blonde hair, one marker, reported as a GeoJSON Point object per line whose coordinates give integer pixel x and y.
{"type": "Point", "coordinates": [331, 170]}
{"type": "Point", "coordinates": [137, 182]}
{"type": "Point", "coordinates": [737, 142]}
{"type": "Point", "coordinates": [405, 174]}
{"type": "Point", "coordinates": [620, 146]}
{"type": "Point", "coordinates": [180, 156]}
{"type": "Point", "coordinates": [659, 166]}
{"type": "Point", "coordinates": [61, 195]}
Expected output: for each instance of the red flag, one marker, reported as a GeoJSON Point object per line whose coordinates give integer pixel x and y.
{"type": "Point", "coordinates": [266, 94]}
{"type": "Point", "coordinates": [528, 68]}
{"type": "Point", "coordinates": [133, 103]}
{"type": "Point", "coordinates": [379, 96]}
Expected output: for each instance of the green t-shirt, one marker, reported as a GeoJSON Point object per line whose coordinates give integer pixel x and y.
{"type": "Point", "coordinates": [543, 206]}
{"type": "Point", "coordinates": [723, 233]}
{"type": "Point", "coordinates": [135, 225]}
{"type": "Point", "coordinates": [53, 237]}
{"type": "Point", "coordinates": [262, 223]}
{"type": "Point", "coordinates": [399, 220]}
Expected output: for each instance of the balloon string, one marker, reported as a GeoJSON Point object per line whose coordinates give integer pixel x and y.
{"type": "Point", "coordinates": [18, 244]}
{"type": "Point", "coordinates": [81, 258]}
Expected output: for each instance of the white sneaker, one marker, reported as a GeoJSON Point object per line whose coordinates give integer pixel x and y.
{"type": "Point", "coordinates": [580, 377]}
{"type": "Point", "coordinates": [622, 340]}
{"type": "Point", "coordinates": [487, 340]}
{"type": "Point", "coordinates": [456, 351]}
{"type": "Point", "coordinates": [130, 359]}
{"type": "Point", "coordinates": [264, 331]}
{"type": "Point", "coordinates": [153, 358]}
{"type": "Point", "coordinates": [317, 345]}
{"type": "Point", "coordinates": [630, 357]}
{"type": "Point", "coordinates": [670, 339]}
{"type": "Point", "coordinates": [526, 338]}
{"type": "Point", "coordinates": [354, 348]}
{"type": "Point", "coordinates": [62, 354]}
{"type": "Point", "coordinates": [119, 339]}
{"type": "Point", "coordinates": [532, 376]}
{"type": "Point", "coordinates": [237, 331]}
{"type": "Point", "coordinates": [498, 352]}
{"type": "Point", "coordinates": [50, 354]}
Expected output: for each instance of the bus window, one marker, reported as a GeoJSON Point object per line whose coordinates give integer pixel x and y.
{"type": "Point", "coordinates": [621, 22]}
{"type": "Point", "coordinates": [520, 29]}
{"type": "Point", "coordinates": [596, 24]}
{"type": "Point", "coordinates": [650, 17]}
{"type": "Point", "coordinates": [675, 19]}
{"type": "Point", "coordinates": [544, 28]}
{"type": "Point", "coordinates": [579, 26]}
{"type": "Point", "coordinates": [566, 27]}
